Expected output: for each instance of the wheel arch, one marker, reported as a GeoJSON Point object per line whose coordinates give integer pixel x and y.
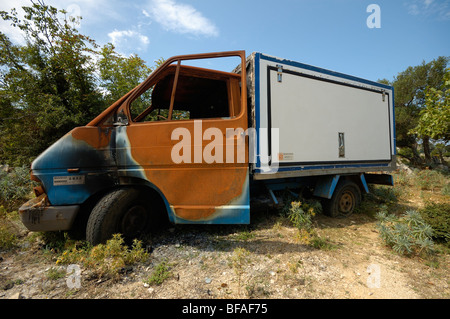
{"type": "Point", "coordinates": [153, 189]}
{"type": "Point", "coordinates": [79, 225]}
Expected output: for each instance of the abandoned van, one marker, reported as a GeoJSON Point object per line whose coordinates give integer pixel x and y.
{"type": "Point", "coordinates": [191, 143]}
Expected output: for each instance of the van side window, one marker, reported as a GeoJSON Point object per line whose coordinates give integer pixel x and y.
{"type": "Point", "coordinates": [196, 97]}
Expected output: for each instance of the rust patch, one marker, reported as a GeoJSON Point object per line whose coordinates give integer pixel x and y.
{"type": "Point", "coordinates": [200, 185]}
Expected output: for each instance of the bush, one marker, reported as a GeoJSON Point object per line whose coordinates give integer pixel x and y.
{"type": "Point", "coordinates": [300, 212]}
{"type": "Point", "coordinates": [159, 275]}
{"type": "Point", "coordinates": [15, 186]}
{"type": "Point", "coordinates": [437, 215]}
{"type": "Point", "coordinates": [8, 239]}
{"type": "Point", "coordinates": [105, 260]}
{"type": "Point", "coordinates": [383, 194]}
{"type": "Point", "coordinates": [446, 189]}
{"type": "Point", "coordinates": [408, 234]}
{"type": "Point", "coordinates": [429, 179]}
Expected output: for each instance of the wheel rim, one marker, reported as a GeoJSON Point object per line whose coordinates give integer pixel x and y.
{"type": "Point", "coordinates": [134, 221]}
{"type": "Point", "coordinates": [347, 202]}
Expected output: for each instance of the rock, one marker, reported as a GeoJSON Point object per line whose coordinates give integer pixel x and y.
{"type": "Point", "coordinates": [17, 295]}
{"type": "Point", "coordinates": [208, 280]}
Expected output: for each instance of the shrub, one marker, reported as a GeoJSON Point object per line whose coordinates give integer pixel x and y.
{"type": "Point", "coordinates": [105, 260]}
{"type": "Point", "coordinates": [408, 234]}
{"type": "Point", "coordinates": [15, 186]}
{"type": "Point", "coordinates": [160, 274]}
{"type": "Point", "coordinates": [301, 213]}
{"type": "Point", "coordinates": [429, 179]}
{"type": "Point", "coordinates": [8, 239]}
{"type": "Point", "coordinates": [446, 189]}
{"type": "Point", "coordinates": [437, 215]}
{"type": "Point", "coordinates": [383, 194]}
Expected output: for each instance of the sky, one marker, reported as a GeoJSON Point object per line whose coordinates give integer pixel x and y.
{"type": "Point", "coordinates": [368, 39]}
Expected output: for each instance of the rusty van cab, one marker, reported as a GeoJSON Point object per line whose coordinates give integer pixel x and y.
{"type": "Point", "coordinates": [117, 171]}
{"type": "Point", "coordinates": [189, 144]}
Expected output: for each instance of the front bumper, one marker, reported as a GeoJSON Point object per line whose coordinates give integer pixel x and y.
{"type": "Point", "coordinates": [37, 215]}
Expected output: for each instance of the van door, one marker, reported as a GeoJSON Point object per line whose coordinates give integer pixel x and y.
{"type": "Point", "coordinates": [185, 137]}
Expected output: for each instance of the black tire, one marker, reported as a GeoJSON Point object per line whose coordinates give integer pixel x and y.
{"type": "Point", "coordinates": [125, 211]}
{"type": "Point", "coordinates": [346, 197]}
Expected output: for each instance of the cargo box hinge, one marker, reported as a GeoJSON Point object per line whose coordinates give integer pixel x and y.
{"type": "Point", "coordinates": [279, 72]}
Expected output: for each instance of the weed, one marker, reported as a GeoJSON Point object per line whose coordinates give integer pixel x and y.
{"type": "Point", "coordinates": [8, 239]}
{"type": "Point", "coordinates": [245, 235]}
{"type": "Point", "coordinates": [55, 273]}
{"type": "Point", "coordinates": [446, 189]}
{"type": "Point", "coordinates": [429, 179]}
{"type": "Point", "coordinates": [437, 215]}
{"type": "Point", "coordinates": [238, 261]}
{"type": "Point", "coordinates": [321, 243]}
{"type": "Point", "coordinates": [301, 214]}
{"type": "Point", "coordinates": [105, 260]}
{"type": "Point", "coordinates": [15, 187]}
{"type": "Point", "coordinates": [406, 235]}
{"type": "Point", "coordinates": [160, 274]}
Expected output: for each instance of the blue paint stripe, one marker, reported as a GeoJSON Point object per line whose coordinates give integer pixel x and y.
{"type": "Point", "coordinates": [324, 71]}
{"type": "Point", "coordinates": [257, 105]}
{"type": "Point", "coordinates": [304, 168]}
{"type": "Point", "coordinates": [393, 122]}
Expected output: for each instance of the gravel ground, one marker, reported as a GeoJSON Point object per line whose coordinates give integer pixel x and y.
{"type": "Point", "coordinates": [265, 260]}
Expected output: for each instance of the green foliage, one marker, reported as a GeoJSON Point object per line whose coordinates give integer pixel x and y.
{"type": "Point", "coordinates": [15, 186]}
{"type": "Point", "coordinates": [121, 74]}
{"type": "Point", "coordinates": [383, 194]}
{"type": "Point", "coordinates": [437, 215]}
{"type": "Point", "coordinates": [408, 234]}
{"type": "Point", "coordinates": [47, 86]}
{"type": "Point", "coordinates": [53, 82]}
{"type": "Point", "coordinates": [55, 273]}
{"type": "Point", "coordinates": [301, 212]}
{"type": "Point", "coordinates": [8, 239]}
{"type": "Point", "coordinates": [429, 179]}
{"type": "Point", "coordinates": [417, 103]}
{"type": "Point", "coordinates": [160, 274]}
{"type": "Point", "coordinates": [434, 118]}
{"type": "Point", "coordinates": [105, 260]}
{"type": "Point", "coordinates": [239, 260]}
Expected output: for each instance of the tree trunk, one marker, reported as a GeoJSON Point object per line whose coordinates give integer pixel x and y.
{"type": "Point", "coordinates": [426, 149]}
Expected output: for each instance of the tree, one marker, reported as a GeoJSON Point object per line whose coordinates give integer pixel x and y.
{"type": "Point", "coordinates": [434, 118]}
{"type": "Point", "coordinates": [58, 80]}
{"type": "Point", "coordinates": [47, 86]}
{"type": "Point", "coordinates": [411, 88]}
{"type": "Point", "coordinates": [119, 74]}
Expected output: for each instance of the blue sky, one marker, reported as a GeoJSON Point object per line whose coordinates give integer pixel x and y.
{"type": "Point", "coordinates": [331, 34]}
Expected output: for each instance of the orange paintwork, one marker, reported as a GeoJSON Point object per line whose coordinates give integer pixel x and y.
{"type": "Point", "coordinates": [94, 136]}
{"type": "Point", "coordinates": [199, 186]}
{"type": "Point", "coordinates": [193, 190]}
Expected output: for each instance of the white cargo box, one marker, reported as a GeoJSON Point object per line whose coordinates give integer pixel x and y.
{"type": "Point", "coordinates": [312, 121]}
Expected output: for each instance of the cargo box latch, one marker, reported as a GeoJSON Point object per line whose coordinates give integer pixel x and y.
{"type": "Point", "coordinates": [279, 72]}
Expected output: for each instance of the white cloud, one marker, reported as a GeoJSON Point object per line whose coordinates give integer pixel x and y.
{"type": "Point", "coordinates": [427, 3]}
{"type": "Point", "coordinates": [128, 40]}
{"type": "Point", "coordinates": [180, 18]}
{"type": "Point", "coordinates": [439, 9]}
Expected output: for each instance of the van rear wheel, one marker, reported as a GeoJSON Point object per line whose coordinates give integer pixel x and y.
{"type": "Point", "coordinates": [123, 211]}
{"type": "Point", "coordinates": [346, 197]}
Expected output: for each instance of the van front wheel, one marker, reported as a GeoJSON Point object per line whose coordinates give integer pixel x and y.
{"type": "Point", "coordinates": [123, 211]}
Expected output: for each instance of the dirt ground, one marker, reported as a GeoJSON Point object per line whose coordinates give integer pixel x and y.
{"type": "Point", "coordinates": [275, 263]}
